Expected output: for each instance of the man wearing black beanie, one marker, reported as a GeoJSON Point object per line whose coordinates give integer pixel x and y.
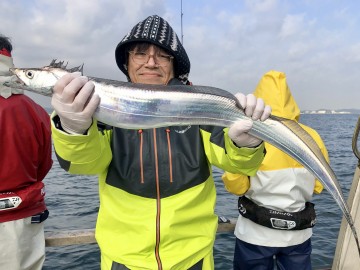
{"type": "Point", "coordinates": [157, 193]}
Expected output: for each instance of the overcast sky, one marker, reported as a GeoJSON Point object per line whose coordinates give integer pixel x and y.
{"type": "Point", "coordinates": [231, 44]}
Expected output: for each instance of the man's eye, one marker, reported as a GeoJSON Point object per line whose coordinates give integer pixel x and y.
{"type": "Point", "coordinates": [140, 54]}
{"type": "Point", "coordinates": [164, 56]}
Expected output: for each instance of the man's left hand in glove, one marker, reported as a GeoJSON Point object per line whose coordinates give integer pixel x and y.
{"type": "Point", "coordinates": [255, 109]}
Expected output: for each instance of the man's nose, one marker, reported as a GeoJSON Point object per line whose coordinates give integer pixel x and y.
{"type": "Point", "coordinates": [151, 60]}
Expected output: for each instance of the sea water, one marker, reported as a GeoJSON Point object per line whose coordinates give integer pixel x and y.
{"type": "Point", "coordinates": [73, 203]}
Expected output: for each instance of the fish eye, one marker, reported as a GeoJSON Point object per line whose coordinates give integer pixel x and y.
{"type": "Point", "coordinates": [29, 74]}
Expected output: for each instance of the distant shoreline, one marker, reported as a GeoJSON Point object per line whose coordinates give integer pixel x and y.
{"type": "Point", "coordinates": [352, 111]}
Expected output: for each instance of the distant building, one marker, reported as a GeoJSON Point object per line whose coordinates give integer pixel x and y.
{"type": "Point", "coordinates": [325, 112]}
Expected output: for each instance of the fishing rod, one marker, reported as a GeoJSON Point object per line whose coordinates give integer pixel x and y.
{"type": "Point", "coordinates": [182, 36]}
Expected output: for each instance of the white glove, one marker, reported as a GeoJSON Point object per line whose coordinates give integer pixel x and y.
{"type": "Point", "coordinates": [74, 102]}
{"type": "Point", "coordinates": [255, 109]}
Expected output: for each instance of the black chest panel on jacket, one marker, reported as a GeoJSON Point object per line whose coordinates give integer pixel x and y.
{"type": "Point", "coordinates": [186, 166]}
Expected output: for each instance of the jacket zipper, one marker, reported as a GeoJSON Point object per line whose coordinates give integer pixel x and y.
{"type": "Point", "coordinates": [158, 205]}
{"type": "Point", "coordinates": [170, 157]}
{"type": "Point", "coordinates": [140, 131]}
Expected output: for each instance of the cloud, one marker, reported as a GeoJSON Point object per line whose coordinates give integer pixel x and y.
{"type": "Point", "coordinates": [292, 25]}
{"type": "Point", "coordinates": [353, 54]}
{"type": "Point", "coordinates": [231, 44]}
{"type": "Point", "coordinates": [262, 5]}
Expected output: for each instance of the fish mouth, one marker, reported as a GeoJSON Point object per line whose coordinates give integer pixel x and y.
{"type": "Point", "coordinates": [15, 82]}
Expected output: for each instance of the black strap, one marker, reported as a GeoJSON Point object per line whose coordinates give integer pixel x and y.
{"type": "Point", "coordinates": [40, 217]}
{"type": "Point", "coordinates": [118, 266]}
{"type": "Point", "coordinates": [197, 266]}
{"type": "Point", "coordinates": [277, 219]}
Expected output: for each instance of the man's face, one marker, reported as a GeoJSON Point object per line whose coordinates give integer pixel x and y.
{"type": "Point", "coordinates": [153, 66]}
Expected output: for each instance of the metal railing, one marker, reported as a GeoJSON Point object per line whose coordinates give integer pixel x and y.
{"type": "Point", "coordinates": [87, 236]}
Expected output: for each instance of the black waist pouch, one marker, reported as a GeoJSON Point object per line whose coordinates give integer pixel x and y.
{"type": "Point", "coordinates": [277, 219]}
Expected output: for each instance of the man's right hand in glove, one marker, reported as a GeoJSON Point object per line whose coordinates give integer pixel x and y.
{"type": "Point", "coordinates": [75, 102]}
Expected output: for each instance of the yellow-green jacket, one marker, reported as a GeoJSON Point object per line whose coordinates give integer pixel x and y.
{"type": "Point", "coordinates": [281, 183]}
{"type": "Point", "coordinates": [156, 189]}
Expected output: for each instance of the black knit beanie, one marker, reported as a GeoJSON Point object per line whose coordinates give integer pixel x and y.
{"type": "Point", "coordinates": [157, 31]}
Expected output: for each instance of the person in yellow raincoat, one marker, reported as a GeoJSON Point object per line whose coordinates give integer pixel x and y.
{"type": "Point", "coordinates": [276, 215]}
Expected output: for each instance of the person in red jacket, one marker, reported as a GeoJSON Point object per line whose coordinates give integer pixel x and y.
{"type": "Point", "coordinates": [25, 160]}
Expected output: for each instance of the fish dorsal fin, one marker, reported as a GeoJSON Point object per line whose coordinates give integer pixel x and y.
{"type": "Point", "coordinates": [61, 65]}
{"type": "Point", "coordinates": [303, 135]}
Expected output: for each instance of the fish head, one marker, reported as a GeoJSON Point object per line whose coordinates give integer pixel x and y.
{"type": "Point", "coordinates": [38, 80]}
{"type": "Point", "coordinates": [36, 77]}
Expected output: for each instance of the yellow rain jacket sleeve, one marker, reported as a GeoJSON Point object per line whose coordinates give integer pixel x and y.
{"type": "Point", "coordinates": [273, 89]}
{"type": "Point", "coordinates": [86, 154]}
{"type": "Point", "coordinates": [231, 156]}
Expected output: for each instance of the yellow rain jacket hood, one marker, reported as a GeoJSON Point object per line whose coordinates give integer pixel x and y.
{"type": "Point", "coordinates": [274, 90]}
